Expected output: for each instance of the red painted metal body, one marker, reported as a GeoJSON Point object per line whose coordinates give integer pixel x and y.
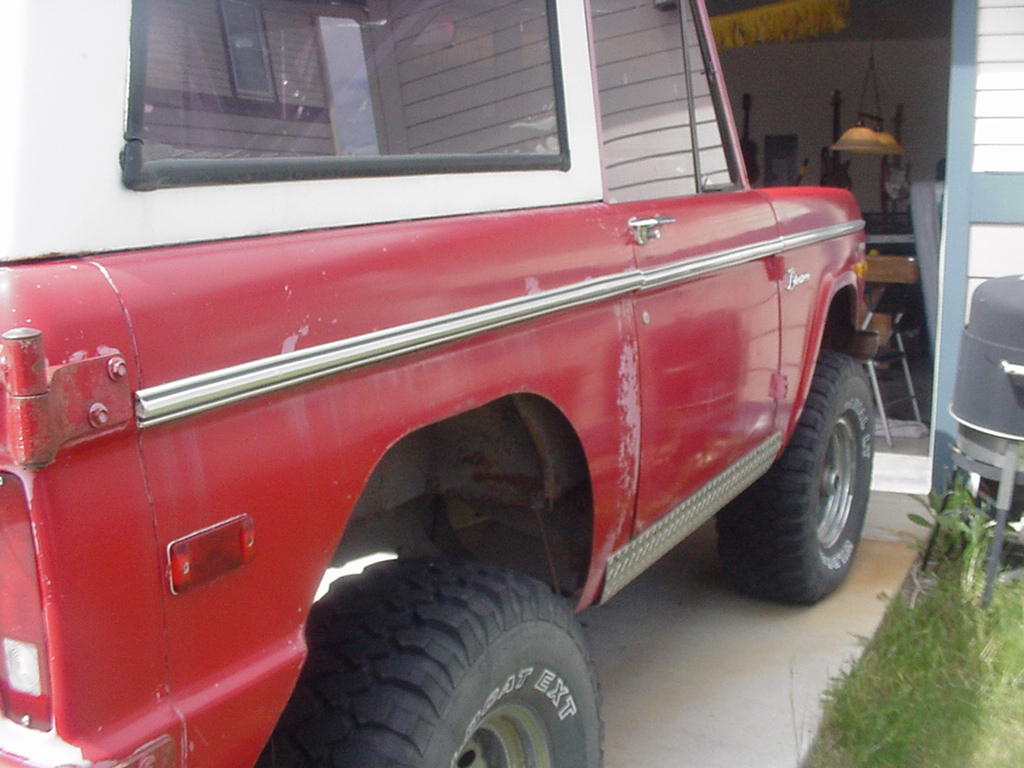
{"type": "Point", "coordinates": [664, 386]}
{"type": "Point", "coordinates": [708, 348]}
{"type": "Point", "coordinates": [830, 264]}
{"type": "Point", "coordinates": [692, 362]}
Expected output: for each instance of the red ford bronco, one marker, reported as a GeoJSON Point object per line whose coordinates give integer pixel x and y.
{"type": "Point", "coordinates": [480, 286]}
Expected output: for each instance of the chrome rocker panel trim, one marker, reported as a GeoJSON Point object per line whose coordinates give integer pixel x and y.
{"type": "Point", "coordinates": [631, 560]}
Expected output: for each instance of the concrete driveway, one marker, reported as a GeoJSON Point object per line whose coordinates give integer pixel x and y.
{"type": "Point", "coordinates": [693, 674]}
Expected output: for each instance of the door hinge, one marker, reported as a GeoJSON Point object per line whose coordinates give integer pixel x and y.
{"type": "Point", "coordinates": [779, 386]}
{"type": "Point", "coordinates": [46, 407]}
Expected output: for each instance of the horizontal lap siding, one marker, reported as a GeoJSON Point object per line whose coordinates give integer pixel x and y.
{"type": "Point", "coordinates": [642, 89]}
{"type": "Point", "coordinates": [192, 106]}
{"type": "Point", "coordinates": [999, 105]}
{"type": "Point", "coordinates": [206, 135]}
{"type": "Point", "coordinates": [489, 90]}
{"type": "Point", "coordinates": [714, 167]}
{"type": "Point", "coordinates": [995, 250]}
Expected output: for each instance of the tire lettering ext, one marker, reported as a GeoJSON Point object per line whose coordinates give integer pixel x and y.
{"type": "Point", "coordinates": [555, 688]}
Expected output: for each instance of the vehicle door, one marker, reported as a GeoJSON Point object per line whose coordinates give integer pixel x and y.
{"type": "Point", "coordinates": [707, 311]}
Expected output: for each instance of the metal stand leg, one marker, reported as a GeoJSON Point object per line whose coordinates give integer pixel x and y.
{"type": "Point", "coordinates": [1004, 497]}
{"type": "Point", "coordinates": [906, 375]}
{"type": "Point", "coordinates": [879, 405]}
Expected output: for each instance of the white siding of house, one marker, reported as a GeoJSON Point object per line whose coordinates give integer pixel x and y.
{"type": "Point", "coordinates": [996, 250]}
{"type": "Point", "coordinates": [488, 89]}
{"type": "Point", "coordinates": [641, 77]}
{"type": "Point", "coordinates": [999, 107]}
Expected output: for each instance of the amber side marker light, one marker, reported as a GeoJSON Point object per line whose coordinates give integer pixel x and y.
{"type": "Point", "coordinates": [208, 554]}
{"type": "Point", "coordinates": [24, 673]}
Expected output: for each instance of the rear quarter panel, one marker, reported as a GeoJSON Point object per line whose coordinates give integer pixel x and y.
{"type": "Point", "coordinates": [296, 460]}
{"type": "Point", "coordinates": [93, 526]}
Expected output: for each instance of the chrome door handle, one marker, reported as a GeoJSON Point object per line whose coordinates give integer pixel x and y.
{"type": "Point", "coordinates": [645, 230]}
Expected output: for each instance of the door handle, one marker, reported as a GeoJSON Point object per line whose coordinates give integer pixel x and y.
{"type": "Point", "coordinates": [645, 230]}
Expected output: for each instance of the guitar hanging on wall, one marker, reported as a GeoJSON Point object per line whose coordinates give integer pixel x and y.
{"type": "Point", "coordinates": [895, 171]}
{"type": "Point", "coordinates": [747, 145]}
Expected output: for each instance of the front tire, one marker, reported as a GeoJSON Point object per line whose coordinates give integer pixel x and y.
{"type": "Point", "coordinates": [791, 537]}
{"type": "Point", "coordinates": [421, 664]}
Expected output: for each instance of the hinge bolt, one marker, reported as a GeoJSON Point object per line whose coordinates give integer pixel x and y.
{"type": "Point", "coordinates": [117, 368]}
{"type": "Point", "coordinates": [99, 415]}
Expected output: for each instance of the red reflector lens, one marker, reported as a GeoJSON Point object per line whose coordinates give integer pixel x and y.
{"type": "Point", "coordinates": [207, 554]}
{"type": "Point", "coordinates": [25, 683]}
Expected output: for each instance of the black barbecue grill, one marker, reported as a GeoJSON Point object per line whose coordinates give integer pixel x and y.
{"type": "Point", "coordinates": [988, 400]}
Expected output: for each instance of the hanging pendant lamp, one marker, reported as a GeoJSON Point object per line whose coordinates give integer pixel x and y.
{"type": "Point", "coordinates": [861, 138]}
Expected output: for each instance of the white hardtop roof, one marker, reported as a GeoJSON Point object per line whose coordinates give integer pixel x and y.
{"type": "Point", "coordinates": [67, 66]}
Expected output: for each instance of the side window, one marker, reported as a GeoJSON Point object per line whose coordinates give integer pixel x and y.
{"type": "Point", "coordinates": [256, 90]}
{"type": "Point", "coordinates": [657, 103]}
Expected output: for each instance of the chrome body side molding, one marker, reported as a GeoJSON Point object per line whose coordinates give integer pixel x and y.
{"type": "Point", "coordinates": [630, 561]}
{"type": "Point", "coordinates": [195, 394]}
{"type": "Point", "coordinates": [206, 391]}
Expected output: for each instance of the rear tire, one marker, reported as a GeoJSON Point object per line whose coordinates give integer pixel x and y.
{"type": "Point", "coordinates": [423, 664]}
{"type": "Point", "coordinates": [791, 537]}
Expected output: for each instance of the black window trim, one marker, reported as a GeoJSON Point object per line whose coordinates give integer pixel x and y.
{"type": "Point", "coordinates": [146, 175]}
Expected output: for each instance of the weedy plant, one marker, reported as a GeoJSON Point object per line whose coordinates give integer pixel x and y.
{"type": "Point", "coordinates": [941, 685]}
{"type": "Point", "coordinates": [960, 538]}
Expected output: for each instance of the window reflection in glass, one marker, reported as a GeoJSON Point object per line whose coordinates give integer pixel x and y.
{"type": "Point", "coordinates": [283, 78]}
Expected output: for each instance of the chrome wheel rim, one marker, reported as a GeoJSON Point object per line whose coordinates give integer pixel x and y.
{"type": "Point", "coordinates": [835, 489]}
{"type": "Point", "coordinates": [511, 736]}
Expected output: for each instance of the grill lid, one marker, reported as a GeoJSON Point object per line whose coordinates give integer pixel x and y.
{"type": "Point", "coordinates": [997, 312]}
{"type": "Point", "coordinates": [989, 393]}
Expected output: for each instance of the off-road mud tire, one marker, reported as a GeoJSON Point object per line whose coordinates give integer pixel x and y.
{"type": "Point", "coordinates": [787, 538]}
{"type": "Point", "coordinates": [427, 664]}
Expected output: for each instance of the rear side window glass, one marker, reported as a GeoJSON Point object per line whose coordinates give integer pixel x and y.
{"type": "Point", "coordinates": [260, 90]}
{"type": "Point", "coordinates": [659, 107]}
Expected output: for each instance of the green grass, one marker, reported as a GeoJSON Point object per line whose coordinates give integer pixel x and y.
{"type": "Point", "coordinates": [941, 685]}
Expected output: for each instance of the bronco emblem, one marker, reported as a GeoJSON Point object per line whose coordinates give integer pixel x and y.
{"type": "Point", "coordinates": [794, 278]}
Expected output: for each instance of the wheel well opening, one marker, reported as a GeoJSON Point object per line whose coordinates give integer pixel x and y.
{"type": "Point", "coordinates": [841, 322]}
{"type": "Point", "coordinates": [506, 483]}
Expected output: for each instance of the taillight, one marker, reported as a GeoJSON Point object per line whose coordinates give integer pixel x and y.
{"type": "Point", "coordinates": [24, 678]}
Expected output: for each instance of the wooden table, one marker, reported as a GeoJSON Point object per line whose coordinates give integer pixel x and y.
{"type": "Point", "coordinates": [886, 268]}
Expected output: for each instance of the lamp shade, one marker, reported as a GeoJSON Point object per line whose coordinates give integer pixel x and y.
{"type": "Point", "coordinates": [895, 148]}
{"type": "Point", "coordinates": [863, 140]}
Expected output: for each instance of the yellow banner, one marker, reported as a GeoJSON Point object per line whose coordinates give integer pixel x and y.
{"type": "Point", "coordinates": [780, 22]}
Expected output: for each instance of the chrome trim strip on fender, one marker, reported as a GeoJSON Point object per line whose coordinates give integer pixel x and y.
{"type": "Point", "coordinates": [812, 236]}
{"type": "Point", "coordinates": [195, 394]}
{"type": "Point", "coordinates": [703, 265]}
{"type": "Point", "coordinates": [631, 560]}
{"type": "Point", "coordinates": [206, 391]}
